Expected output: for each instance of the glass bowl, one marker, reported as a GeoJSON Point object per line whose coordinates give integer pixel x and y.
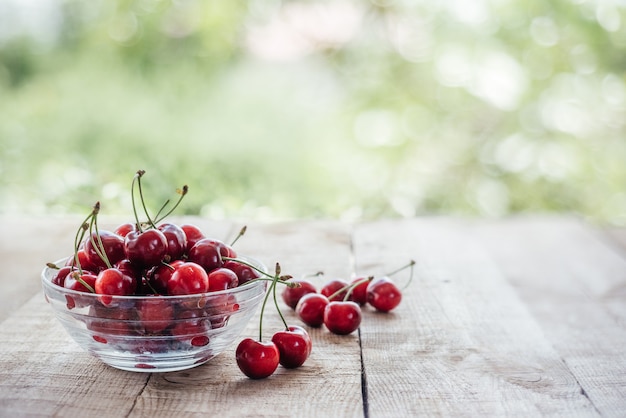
{"type": "Point", "coordinates": [155, 333]}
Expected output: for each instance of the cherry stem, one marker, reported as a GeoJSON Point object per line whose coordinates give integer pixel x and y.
{"type": "Point", "coordinates": [84, 283]}
{"type": "Point", "coordinates": [349, 288]}
{"type": "Point", "coordinates": [267, 295]}
{"type": "Point", "coordinates": [78, 238]}
{"type": "Point", "coordinates": [132, 198]}
{"type": "Point", "coordinates": [142, 200]}
{"type": "Point", "coordinates": [182, 192]}
{"type": "Point", "coordinates": [282, 318]}
{"type": "Point", "coordinates": [242, 231]}
{"type": "Point", "coordinates": [98, 246]}
{"type": "Point", "coordinates": [409, 265]}
{"type": "Point", "coordinates": [252, 266]}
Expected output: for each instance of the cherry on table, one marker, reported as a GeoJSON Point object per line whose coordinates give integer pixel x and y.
{"type": "Point", "coordinates": [257, 359]}
{"type": "Point", "coordinates": [383, 294]}
{"type": "Point", "coordinates": [359, 290]}
{"type": "Point", "coordinates": [292, 295]}
{"type": "Point", "coordinates": [310, 309]}
{"type": "Point", "coordinates": [294, 345]}
{"type": "Point", "coordinates": [341, 317]}
{"type": "Point", "coordinates": [332, 287]}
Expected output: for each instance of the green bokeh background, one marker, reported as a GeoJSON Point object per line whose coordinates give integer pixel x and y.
{"type": "Point", "coordinates": [300, 109]}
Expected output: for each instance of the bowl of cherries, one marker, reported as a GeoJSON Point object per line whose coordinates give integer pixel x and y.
{"type": "Point", "coordinates": [152, 295]}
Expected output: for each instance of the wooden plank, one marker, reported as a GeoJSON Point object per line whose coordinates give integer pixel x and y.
{"type": "Point", "coordinates": [463, 342]}
{"type": "Point", "coordinates": [44, 373]}
{"type": "Point", "coordinates": [573, 282]}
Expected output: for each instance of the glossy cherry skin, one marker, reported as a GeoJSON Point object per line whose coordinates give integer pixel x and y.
{"type": "Point", "coordinates": [176, 240]}
{"type": "Point", "coordinates": [359, 290]}
{"type": "Point", "coordinates": [193, 234]}
{"type": "Point", "coordinates": [208, 253]}
{"type": "Point", "coordinates": [292, 295]}
{"type": "Point", "coordinates": [244, 273]}
{"type": "Point", "coordinates": [257, 359]}
{"type": "Point", "coordinates": [147, 248]}
{"type": "Point", "coordinates": [383, 294]}
{"type": "Point", "coordinates": [112, 282]}
{"type": "Point", "coordinates": [124, 229]}
{"type": "Point", "coordinates": [59, 277]}
{"type": "Point", "coordinates": [72, 283]}
{"type": "Point", "coordinates": [222, 279]}
{"type": "Point", "coordinates": [188, 278]}
{"type": "Point", "coordinates": [342, 318]}
{"type": "Point", "coordinates": [294, 345]}
{"type": "Point", "coordinates": [333, 287]}
{"type": "Point", "coordinates": [83, 260]}
{"type": "Point", "coordinates": [113, 245]}
{"type": "Point", "coordinates": [159, 275]}
{"type": "Point", "coordinates": [310, 309]}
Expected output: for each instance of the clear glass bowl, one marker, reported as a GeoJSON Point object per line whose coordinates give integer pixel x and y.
{"type": "Point", "coordinates": [155, 333]}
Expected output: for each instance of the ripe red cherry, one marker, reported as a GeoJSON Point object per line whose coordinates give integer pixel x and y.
{"type": "Point", "coordinates": [193, 234]}
{"type": "Point", "coordinates": [155, 314]}
{"type": "Point", "coordinates": [310, 309]}
{"type": "Point", "coordinates": [292, 295]}
{"type": "Point", "coordinates": [176, 240]}
{"type": "Point", "coordinates": [342, 318]}
{"type": "Point", "coordinates": [244, 273]}
{"type": "Point", "coordinates": [72, 282]}
{"type": "Point", "coordinates": [85, 264]}
{"type": "Point", "coordinates": [188, 278]}
{"type": "Point", "coordinates": [333, 287]}
{"type": "Point", "coordinates": [59, 277]}
{"type": "Point", "coordinates": [383, 294]}
{"type": "Point", "coordinates": [359, 290]}
{"type": "Point", "coordinates": [208, 253]}
{"type": "Point", "coordinates": [147, 248]}
{"type": "Point", "coordinates": [112, 282]}
{"type": "Point", "coordinates": [191, 325]}
{"type": "Point", "coordinates": [124, 229]}
{"type": "Point", "coordinates": [222, 279]}
{"type": "Point", "coordinates": [257, 359]}
{"type": "Point", "coordinates": [159, 275]}
{"type": "Point", "coordinates": [113, 245]}
{"type": "Point", "coordinates": [294, 345]}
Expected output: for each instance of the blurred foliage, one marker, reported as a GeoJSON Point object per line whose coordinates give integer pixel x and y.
{"type": "Point", "coordinates": [277, 109]}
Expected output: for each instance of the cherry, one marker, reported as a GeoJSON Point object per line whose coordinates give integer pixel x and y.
{"type": "Point", "coordinates": [208, 253]}
{"type": "Point", "coordinates": [332, 289]}
{"type": "Point", "coordinates": [145, 248]}
{"type": "Point", "coordinates": [341, 317]}
{"type": "Point", "coordinates": [113, 282]}
{"type": "Point", "coordinates": [159, 275]}
{"type": "Point", "coordinates": [59, 277]}
{"type": "Point", "coordinates": [155, 314]}
{"type": "Point", "coordinates": [358, 292]}
{"type": "Point", "coordinates": [110, 252]}
{"type": "Point", "coordinates": [77, 281]}
{"type": "Point", "coordinates": [176, 240]}
{"type": "Point", "coordinates": [244, 273]}
{"type": "Point", "coordinates": [123, 229]}
{"type": "Point", "coordinates": [257, 359]}
{"type": "Point", "coordinates": [222, 279]}
{"type": "Point", "coordinates": [292, 295]}
{"type": "Point", "coordinates": [193, 234]}
{"type": "Point", "coordinates": [294, 345]}
{"type": "Point", "coordinates": [310, 309]}
{"type": "Point", "coordinates": [188, 278]}
{"type": "Point", "coordinates": [383, 294]}
{"type": "Point", "coordinates": [83, 260]}
{"type": "Point", "coordinates": [191, 325]}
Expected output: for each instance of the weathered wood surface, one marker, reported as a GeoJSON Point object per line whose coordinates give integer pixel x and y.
{"type": "Point", "coordinates": [519, 317]}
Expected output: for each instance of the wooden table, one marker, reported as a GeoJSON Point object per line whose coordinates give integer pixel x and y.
{"type": "Point", "coordinates": [517, 317]}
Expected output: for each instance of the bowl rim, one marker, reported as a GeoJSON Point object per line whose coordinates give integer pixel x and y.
{"type": "Point", "coordinates": [47, 284]}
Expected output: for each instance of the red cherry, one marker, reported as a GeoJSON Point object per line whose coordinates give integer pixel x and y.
{"type": "Point", "coordinates": [113, 282]}
{"type": "Point", "coordinates": [208, 253]}
{"type": "Point", "coordinates": [310, 309]}
{"type": "Point", "coordinates": [147, 248]}
{"type": "Point", "coordinates": [123, 229]}
{"type": "Point", "coordinates": [292, 295]}
{"type": "Point", "coordinates": [222, 279]}
{"type": "Point", "coordinates": [294, 345]}
{"type": "Point", "coordinates": [383, 294]}
{"type": "Point", "coordinates": [113, 245]}
{"type": "Point", "coordinates": [85, 264]}
{"type": "Point", "coordinates": [342, 318]}
{"type": "Point", "coordinates": [176, 240]}
{"type": "Point", "coordinates": [257, 359]}
{"type": "Point", "coordinates": [333, 287]}
{"type": "Point", "coordinates": [59, 277]}
{"type": "Point", "coordinates": [193, 234]}
{"type": "Point", "coordinates": [244, 273]}
{"type": "Point", "coordinates": [188, 278]}
{"type": "Point", "coordinates": [72, 282]}
{"type": "Point", "coordinates": [155, 314]}
{"type": "Point", "coordinates": [159, 275]}
{"type": "Point", "coordinates": [359, 290]}
{"type": "Point", "coordinates": [191, 325]}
